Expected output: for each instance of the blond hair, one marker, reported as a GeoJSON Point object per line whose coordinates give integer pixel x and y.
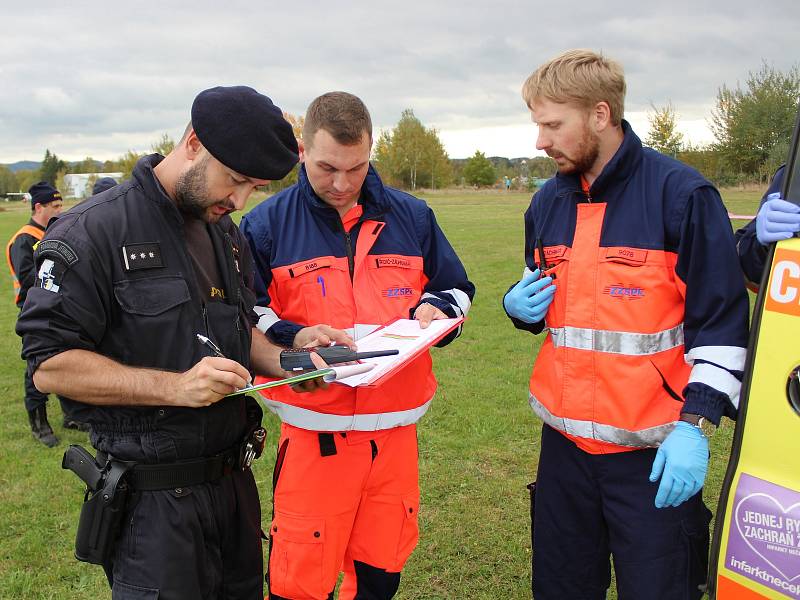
{"type": "Point", "coordinates": [580, 77]}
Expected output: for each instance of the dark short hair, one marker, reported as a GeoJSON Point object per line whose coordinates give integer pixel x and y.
{"type": "Point", "coordinates": [342, 115]}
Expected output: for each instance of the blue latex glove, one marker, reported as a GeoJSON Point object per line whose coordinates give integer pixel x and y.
{"type": "Point", "coordinates": [682, 463]}
{"type": "Point", "coordinates": [777, 220]}
{"type": "Point", "coordinates": [529, 299]}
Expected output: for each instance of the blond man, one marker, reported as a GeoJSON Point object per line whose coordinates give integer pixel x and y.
{"type": "Point", "coordinates": [632, 269]}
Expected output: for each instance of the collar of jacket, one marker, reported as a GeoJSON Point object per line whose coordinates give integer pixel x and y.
{"type": "Point", "coordinates": [618, 170]}
{"type": "Point", "coordinates": [35, 224]}
{"type": "Point", "coordinates": [146, 178]}
{"type": "Point", "coordinates": [373, 197]}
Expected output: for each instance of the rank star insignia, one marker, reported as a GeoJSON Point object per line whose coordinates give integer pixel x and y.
{"type": "Point", "coordinates": [142, 256]}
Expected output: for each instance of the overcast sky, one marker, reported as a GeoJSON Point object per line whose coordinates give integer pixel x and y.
{"type": "Point", "coordinates": [95, 79]}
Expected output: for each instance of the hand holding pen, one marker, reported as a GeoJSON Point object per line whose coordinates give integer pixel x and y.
{"type": "Point", "coordinates": [210, 380]}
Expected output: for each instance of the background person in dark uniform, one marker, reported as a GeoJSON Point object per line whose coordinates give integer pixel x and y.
{"type": "Point", "coordinates": [126, 281]}
{"type": "Point", "coordinates": [46, 203]}
{"type": "Point", "coordinates": [103, 184]}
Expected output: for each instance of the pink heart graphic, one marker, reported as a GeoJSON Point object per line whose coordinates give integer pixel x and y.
{"type": "Point", "coordinates": [764, 525]}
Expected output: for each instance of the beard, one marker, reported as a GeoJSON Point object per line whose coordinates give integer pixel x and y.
{"type": "Point", "coordinates": [585, 156]}
{"type": "Point", "coordinates": [191, 194]}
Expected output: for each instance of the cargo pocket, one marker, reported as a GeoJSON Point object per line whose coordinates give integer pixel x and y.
{"type": "Point", "coordinates": [696, 538]}
{"type": "Point", "coordinates": [296, 556]}
{"type": "Point", "coordinates": [126, 591]}
{"type": "Point", "coordinates": [409, 534]}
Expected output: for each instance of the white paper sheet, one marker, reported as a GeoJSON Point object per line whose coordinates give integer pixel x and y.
{"type": "Point", "coordinates": [404, 335]}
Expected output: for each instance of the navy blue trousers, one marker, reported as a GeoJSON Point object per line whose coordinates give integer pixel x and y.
{"type": "Point", "coordinates": [33, 397]}
{"type": "Point", "coordinates": [587, 508]}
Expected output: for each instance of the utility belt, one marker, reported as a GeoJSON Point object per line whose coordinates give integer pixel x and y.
{"type": "Point", "coordinates": [111, 482]}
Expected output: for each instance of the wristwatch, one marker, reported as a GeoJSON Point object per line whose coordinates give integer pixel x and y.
{"type": "Point", "coordinates": [699, 421]}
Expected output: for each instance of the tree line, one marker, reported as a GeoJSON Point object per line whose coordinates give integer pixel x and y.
{"type": "Point", "coordinates": [751, 123]}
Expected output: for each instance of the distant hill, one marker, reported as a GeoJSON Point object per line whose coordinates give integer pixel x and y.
{"type": "Point", "coordinates": [28, 165]}
{"type": "Point", "coordinates": [23, 165]}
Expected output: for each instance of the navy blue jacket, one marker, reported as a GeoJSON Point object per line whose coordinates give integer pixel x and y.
{"type": "Point", "coordinates": [752, 253]}
{"type": "Point", "coordinates": [295, 225]}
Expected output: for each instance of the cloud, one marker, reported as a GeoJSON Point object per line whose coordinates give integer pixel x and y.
{"type": "Point", "coordinates": [96, 78]}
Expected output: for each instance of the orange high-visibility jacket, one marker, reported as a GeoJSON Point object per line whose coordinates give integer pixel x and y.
{"type": "Point", "coordinates": [313, 269]}
{"type": "Point", "coordinates": [649, 318]}
{"type": "Point", "coordinates": [24, 230]}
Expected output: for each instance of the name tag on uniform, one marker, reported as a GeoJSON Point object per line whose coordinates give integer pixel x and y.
{"type": "Point", "coordinates": [142, 256]}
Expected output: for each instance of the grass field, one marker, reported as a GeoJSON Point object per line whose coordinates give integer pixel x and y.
{"type": "Point", "coordinates": [478, 443]}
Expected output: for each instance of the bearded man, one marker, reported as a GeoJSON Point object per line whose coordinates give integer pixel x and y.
{"type": "Point", "coordinates": [632, 269]}
{"type": "Point", "coordinates": [127, 283]}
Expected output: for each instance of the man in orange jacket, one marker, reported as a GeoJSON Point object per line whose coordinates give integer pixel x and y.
{"type": "Point", "coordinates": [46, 203]}
{"type": "Point", "coordinates": [631, 267]}
{"type": "Point", "coordinates": [341, 250]}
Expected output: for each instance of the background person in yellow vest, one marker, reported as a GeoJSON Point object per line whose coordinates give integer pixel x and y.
{"type": "Point", "coordinates": [646, 313]}
{"type": "Point", "coordinates": [45, 203]}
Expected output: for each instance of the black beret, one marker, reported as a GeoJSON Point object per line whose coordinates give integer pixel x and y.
{"type": "Point", "coordinates": [43, 193]}
{"type": "Point", "coordinates": [245, 131]}
{"type": "Point", "coordinates": [103, 184]}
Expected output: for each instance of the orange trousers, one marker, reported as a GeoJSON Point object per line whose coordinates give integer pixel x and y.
{"type": "Point", "coordinates": [341, 499]}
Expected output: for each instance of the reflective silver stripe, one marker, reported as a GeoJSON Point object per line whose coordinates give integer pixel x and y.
{"type": "Point", "coordinates": [315, 421]}
{"type": "Point", "coordinates": [719, 379]}
{"type": "Point", "coordinates": [617, 342]}
{"type": "Point", "coordinates": [643, 438]}
{"type": "Point", "coordinates": [266, 318]}
{"type": "Point", "coordinates": [728, 357]}
{"type": "Point", "coordinates": [462, 304]}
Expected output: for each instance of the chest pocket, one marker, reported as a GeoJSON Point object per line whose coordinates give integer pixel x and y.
{"type": "Point", "coordinates": [637, 290]}
{"type": "Point", "coordinates": [152, 296]}
{"type": "Point", "coordinates": [315, 291]}
{"type": "Point", "coordinates": [557, 259]}
{"type": "Point", "coordinates": [151, 310]}
{"type": "Point", "coordinates": [399, 280]}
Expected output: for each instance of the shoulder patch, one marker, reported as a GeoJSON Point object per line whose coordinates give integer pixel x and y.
{"type": "Point", "coordinates": [58, 249]}
{"type": "Point", "coordinates": [50, 274]}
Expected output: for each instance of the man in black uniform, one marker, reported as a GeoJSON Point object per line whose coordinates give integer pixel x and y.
{"type": "Point", "coordinates": [46, 203]}
{"type": "Point", "coordinates": [126, 281]}
{"type": "Point", "coordinates": [103, 184]}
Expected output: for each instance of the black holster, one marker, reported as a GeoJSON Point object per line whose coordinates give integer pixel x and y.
{"type": "Point", "coordinates": [101, 515]}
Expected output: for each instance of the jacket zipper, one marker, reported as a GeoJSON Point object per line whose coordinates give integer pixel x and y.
{"type": "Point", "coordinates": [351, 263]}
{"type": "Point", "coordinates": [234, 289]}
